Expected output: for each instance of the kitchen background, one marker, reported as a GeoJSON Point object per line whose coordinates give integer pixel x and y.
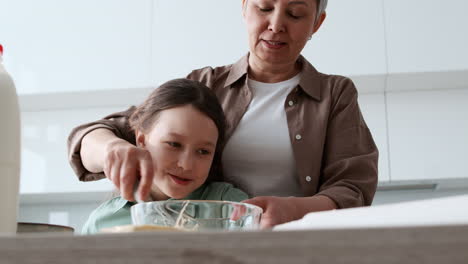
{"type": "Point", "coordinates": [76, 61]}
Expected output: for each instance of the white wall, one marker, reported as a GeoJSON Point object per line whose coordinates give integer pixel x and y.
{"type": "Point", "coordinates": [188, 35]}
{"type": "Point", "coordinates": [426, 35]}
{"type": "Point", "coordinates": [77, 61]}
{"type": "Point", "coordinates": [57, 46]}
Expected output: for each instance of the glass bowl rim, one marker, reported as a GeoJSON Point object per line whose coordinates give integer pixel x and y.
{"type": "Point", "coordinates": [255, 208]}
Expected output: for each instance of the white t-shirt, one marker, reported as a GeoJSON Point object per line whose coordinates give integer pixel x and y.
{"type": "Point", "coordinates": [259, 152]}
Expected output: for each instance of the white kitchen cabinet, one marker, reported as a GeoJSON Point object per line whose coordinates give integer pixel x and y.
{"type": "Point", "coordinates": [45, 167]}
{"type": "Point", "coordinates": [56, 46]}
{"type": "Point", "coordinates": [428, 134]}
{"type": "Point", "coordinates": [351, 40]}
{"type": "Point", "coordinates": [373, 109]}
{"type": "Point", "coordinates": [427, 81]}
{"type": "Point", "coordinates": [188, 35]}
{"type": "Point", "coordinates": [426, 35]}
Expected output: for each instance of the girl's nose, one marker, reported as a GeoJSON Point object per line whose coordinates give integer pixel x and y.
{"type": "Point", "coordinates": [185, 161]}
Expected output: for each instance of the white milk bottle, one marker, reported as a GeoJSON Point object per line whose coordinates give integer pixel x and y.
{"type": "Point", "coordinates": [9, 151]}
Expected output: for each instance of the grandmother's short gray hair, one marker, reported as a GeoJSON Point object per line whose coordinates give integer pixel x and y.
{"type": "Point", "coordinates": [321, 6]}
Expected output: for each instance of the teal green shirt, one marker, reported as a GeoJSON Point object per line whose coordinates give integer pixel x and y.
{"type": "Point", "coordinates": [117, 210]}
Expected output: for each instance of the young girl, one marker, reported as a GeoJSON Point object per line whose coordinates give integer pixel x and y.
{"type": "Point", "coordinates": [182, 126]}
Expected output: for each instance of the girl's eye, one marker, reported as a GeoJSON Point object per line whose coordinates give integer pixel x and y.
{"type": "Point", "coordinates": [174, 144]}
{"type": "Point", "coordinates": [204, 152]}
{"type": "Point", "coordinates": [265, 9]}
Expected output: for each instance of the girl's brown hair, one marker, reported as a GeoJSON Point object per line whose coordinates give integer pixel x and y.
{"type": "Point", "coordinates": [181, 92]}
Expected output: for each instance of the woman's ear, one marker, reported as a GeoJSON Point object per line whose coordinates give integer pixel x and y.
{"type": "Point", "coordinates": [244, 6]}
{"type": "Point", "coordinates": [140, 139]}
{"type": "Point", "coordinates": [319, 21]}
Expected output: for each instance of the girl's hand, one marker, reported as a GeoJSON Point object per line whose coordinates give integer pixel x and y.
{"type": "Point", "coordinates": [125, 164]}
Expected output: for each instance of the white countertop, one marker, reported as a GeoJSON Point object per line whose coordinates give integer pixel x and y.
{"type": "Point", "coordinates": [432, 212]}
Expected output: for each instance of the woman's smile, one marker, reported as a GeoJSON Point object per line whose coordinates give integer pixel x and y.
{"type": "Point", "coordinates": [274, 44]}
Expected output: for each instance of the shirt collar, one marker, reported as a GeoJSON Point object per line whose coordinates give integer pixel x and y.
{"type": "Point", "coordinates": [238, 70]}
{"type": "Point", "coordinates": [197, 194]}
{"type": "Point", "coordinates": [310, 78]}
{"type": "Point", "coordinates": [120, 203]}
{"type": "Point", "coordinates": [310, 81]}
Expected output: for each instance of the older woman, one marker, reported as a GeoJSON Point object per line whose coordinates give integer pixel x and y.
{"type": "Point", "coordinates": [297, 141]}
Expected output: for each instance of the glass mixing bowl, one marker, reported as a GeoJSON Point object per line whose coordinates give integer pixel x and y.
{"type": "Point", "coordinates": [197, 215]}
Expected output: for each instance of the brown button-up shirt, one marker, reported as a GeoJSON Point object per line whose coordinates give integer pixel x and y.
{"type": "Point", "coordinates": [334, 151]}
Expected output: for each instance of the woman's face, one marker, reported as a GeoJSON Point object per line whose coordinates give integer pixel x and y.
{"type": "Point", "coordinates": [279, 29]}
{"type": "Point", "coordinates": [182, 145]}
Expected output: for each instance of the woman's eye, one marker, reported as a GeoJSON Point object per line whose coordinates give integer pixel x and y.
{"type": "Point", "coordinates": [294, 16]}
{"type": "Point", "coordinates": [174, 144]}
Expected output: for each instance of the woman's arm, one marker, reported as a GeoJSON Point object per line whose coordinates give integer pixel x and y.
{"type": "Point", "coordinates": [95, 146]}
{"type": "Point", "coordinates": [105, 148]}
{"type": "Point", "coordinates": [350, 159]}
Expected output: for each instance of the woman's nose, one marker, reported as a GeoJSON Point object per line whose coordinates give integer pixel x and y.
{"type": "Point", "coordinates": [276, 24]}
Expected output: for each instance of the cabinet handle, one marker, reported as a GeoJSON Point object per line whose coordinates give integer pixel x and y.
{"type": "Point", "coordinates": [414, 186]}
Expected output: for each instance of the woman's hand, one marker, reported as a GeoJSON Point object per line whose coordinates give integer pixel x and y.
{"type": "Point", "coordinates": [276, 210]}
{"type": "Point", "coordinates": [279, 210]}
{"type": "Point", "coordinates": [125, 164]}
{"type": "Point", "coordinates": [122, 162]}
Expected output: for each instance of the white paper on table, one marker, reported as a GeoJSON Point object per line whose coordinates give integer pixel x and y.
{"type": "Point", "coordinates": [440, 211]}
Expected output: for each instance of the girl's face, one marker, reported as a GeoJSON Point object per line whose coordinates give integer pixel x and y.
{"type": "Point", "coordinates": [182, 145]}
{"type": "Point", "coordinates": [279, 29]}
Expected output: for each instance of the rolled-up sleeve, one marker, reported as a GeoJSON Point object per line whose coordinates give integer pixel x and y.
{"type": "Point", "coordinates": [116, 122]}
{"type": "Point", "coordinates": [349, 169]}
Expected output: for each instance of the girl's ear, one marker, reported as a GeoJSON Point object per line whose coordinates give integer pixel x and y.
{"type": "Point", "coordinates": [140, 139]}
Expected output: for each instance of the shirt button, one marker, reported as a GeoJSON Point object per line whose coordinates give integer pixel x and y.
{"type": "Point", "coordinates": [291, 103]}
{"type": "Point", "coordinates": [298, 137]}
{"type": "Point", "coordinates": [308, 178]}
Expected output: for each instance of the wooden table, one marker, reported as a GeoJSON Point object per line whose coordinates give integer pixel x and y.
{"type": "Point", "coordinates": [442, 244]}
